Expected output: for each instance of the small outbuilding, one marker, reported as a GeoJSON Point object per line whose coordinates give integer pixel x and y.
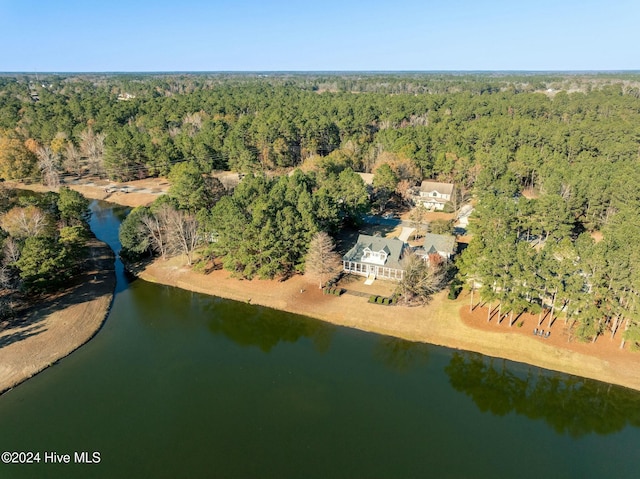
{"type": "Point", "coordinates": [444, 245]}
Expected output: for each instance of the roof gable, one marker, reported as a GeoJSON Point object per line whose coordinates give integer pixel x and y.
{"type": "Point", "coordinates": [441, 188]}
{"type": "Point", "coordinates": [367, 178]}
{"type": "Point", "coordinates": [394, 248]}
{"type": "Point", "coordinates": [439, 243]}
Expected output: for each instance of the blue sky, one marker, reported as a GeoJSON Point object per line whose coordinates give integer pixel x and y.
{"type": "Point", "coordinates": [251, 35]}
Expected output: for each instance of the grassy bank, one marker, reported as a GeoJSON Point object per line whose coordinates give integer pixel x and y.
{"type": "Point", "coordinates": [59, 323]}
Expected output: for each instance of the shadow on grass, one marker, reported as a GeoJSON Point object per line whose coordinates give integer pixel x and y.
{"type": "Point", "coordinates": [96, 279]}
{"type": "Point", "coordinates": [21, 334]}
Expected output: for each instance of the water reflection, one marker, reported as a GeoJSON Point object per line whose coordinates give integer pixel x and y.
{"type": "Point", "coordinates": [105, 212]}
{"type": "Point", "coordinates": [401, 355]}
{"type": "Point", "coordinates": [569, 404]}
{"type": "Point", "coordinates": [248, 325]}
{"type": "Point", "coordinates": [105, 222]}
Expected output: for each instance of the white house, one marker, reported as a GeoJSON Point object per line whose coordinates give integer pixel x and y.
{"type": "Point", "coordinates": [376, 256]}
{"type": "Point", "coordinates": [434, 195]}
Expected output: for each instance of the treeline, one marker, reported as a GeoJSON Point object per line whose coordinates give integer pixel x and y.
{"type": "Point", "coordinates": [42, 239]}
{"type": "Point", "coordinates": [451, 127]}
{"type": "Point", "coordinates": [263, 229]}
{"type": "Point", "coordinates": [562, 254]}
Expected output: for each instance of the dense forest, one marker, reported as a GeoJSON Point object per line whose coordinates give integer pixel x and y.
{"type": "Point", "coordinates": [551, 162]}
{"type": "Point", "coordinates": [451, 127]}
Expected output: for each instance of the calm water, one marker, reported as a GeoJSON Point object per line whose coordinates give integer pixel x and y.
{"type": "Point", "coordinates": [179, 385]}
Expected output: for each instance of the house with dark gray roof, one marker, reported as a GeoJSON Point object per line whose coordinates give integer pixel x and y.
{"type": "Point", "coordinates": [444, 245]}
{"type": "Point", "coordinates": [377, 257]}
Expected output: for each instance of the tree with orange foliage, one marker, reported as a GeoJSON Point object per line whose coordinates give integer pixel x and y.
{"type": "Point", "coordinates": [403, 167]}
{"type": "Point", "coordinates": [16, 160]}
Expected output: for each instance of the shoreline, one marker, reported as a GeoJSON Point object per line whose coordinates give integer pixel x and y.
{"type": "Point", "coordinates": [139, 196]}
{"type": "Point", "coordinates": [443, 322]}
{"type": "Point", "coordinates": [57, 326]}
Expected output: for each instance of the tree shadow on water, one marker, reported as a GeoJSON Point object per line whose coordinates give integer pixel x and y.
{"type": "Point", "coordinates": [569, 404]}
{"type": "Point", "coordinates": [265, 328]}
{"type": "Point", "coordinates": [401, 355]}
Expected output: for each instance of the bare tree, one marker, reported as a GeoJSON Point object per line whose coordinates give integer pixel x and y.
{"type": "Point", "coordinates": [194, 120]}
{"type": "Point", "coordinates": [11, 251]}
{"type": "Point", "coordinates": [322, 261]}
{"type": "Point", "coordinates": [405, 190]}
{"type": "Point", "coordinates": [182, 233]}
{"type": "Point", "coordinates": [48, 163]}
{"type": "Point", "coordinates": [10, 254]}
{"type": "Point", "coordinates": [24, 222]}
{"type": "Point", "coordinates": [155, 225]}
{"type": "Point", "coordinates": [420, 280]}
{"type": "Point", "coordinates": [5, 277]}
{"type": "Point", "coordinates": [72, 157]}
{"type": "Point", "coordinates": [92, 147]}
{"type": "Point", "coordinates": [417, 219]}
{"type": "Point", "coordinates": [87, 142]}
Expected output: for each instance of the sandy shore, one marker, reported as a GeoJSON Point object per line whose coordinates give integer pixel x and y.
{"type": "Point", "coordinates": [59, 324]}
{"type": "Point", "coordinates": [443, 322]}
{"type": "Point", "coordinates": [142, 192]}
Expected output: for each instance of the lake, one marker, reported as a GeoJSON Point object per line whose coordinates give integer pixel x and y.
{"type": "Point", "coordinates": [178, 384]}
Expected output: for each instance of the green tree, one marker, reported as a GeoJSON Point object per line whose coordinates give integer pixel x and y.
{"type": "Point", "coordinates": [73, 207]}
{"type": "Point", "coordinates": [43, 263]}
{"type": "Point", "coordinates": [191, 190]}
{"type": "Point", "coordinates": [125, 154]}
{"type": "Point", "coordinates": [74, 239]}
{"type": "Point", "coordinates": [264, 229]}
{"type": "Point", "coordinates": [347, 192]}
{"type": "Point", "coordinates": [133, 235]}
{"type": "Point", "coordinates": [441, 227]}
{"type": "Point", "coordinates": [385, 181]}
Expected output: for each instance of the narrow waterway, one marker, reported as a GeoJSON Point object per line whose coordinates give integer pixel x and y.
{"type": "Point", "coordinates": [178, 384]}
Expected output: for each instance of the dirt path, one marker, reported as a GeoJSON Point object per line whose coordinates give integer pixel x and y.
{"type": "Point", "coordinates": [59, 324]}
{"type": "Point", "coordinates": [443, 322]}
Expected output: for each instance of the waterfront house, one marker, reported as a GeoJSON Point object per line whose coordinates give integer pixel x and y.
{"type": "Point", "coordinates": [376, 257]}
